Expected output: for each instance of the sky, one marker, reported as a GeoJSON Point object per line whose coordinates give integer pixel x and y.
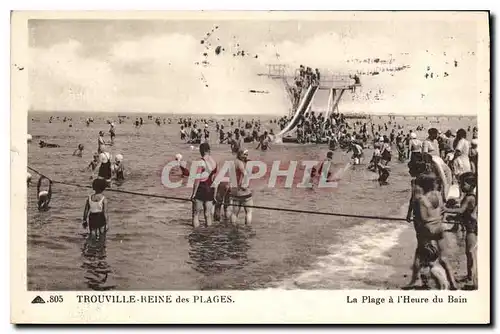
{"type": "Point", "coordinates": [153, 65]}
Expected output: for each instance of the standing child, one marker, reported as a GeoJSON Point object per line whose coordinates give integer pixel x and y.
{"type": "Point", "coordinates": [95, 214]}
{"type": "Point", "coordinates": [94, 163]}
{"type": "Point", "coordinates": [357, 150]}
{"type": "Point", "coordinates": [374, 162]}
{"type": "Point", "coordinates": [467, 215]}
{"type": "Point", "coordinates": [119, 168]}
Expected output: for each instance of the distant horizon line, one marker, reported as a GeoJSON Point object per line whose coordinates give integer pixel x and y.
{"type": "Point", "coordinates": [201, 114]}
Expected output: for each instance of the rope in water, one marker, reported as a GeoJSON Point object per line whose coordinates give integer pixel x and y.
{"type": "Point", "coordinates": [248, 206]}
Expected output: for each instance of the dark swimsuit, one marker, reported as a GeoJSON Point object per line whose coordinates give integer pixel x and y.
{"type": "Point", "coordinates": [105, 169]}
{"type": "Point", "coordinates": [119, 174]}
{"type": "Point", "coordinates": [468, 220]}
{"type": "Point", "coordinates": [205, 191]}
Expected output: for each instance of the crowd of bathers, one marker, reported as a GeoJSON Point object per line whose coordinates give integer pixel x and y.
{"type": "Point", "coordinates": [436, 164]}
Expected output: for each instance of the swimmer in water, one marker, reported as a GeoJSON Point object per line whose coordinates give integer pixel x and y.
{"type": "Point", "coordinates": [79, 151]}
{"type": "Point", "coordinates": [95, 214]}
{"type": "Point", "coordinates": [94, 163]}
{"type": "Point", "coordinates": [44, 144]}
{"type": "Point", "coordinates": [264, 142]}
{"type": "Point", "coordinates": [44, 193]}
{"type": "Point", "coordinates": [324, 169]}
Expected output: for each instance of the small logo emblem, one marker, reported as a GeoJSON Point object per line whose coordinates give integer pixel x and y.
{"type": "Point", "coordinates": [38, 300]}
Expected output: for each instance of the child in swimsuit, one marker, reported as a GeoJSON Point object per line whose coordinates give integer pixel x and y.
{"type": "Point", "coordinates": [429, 256]}
{"type": "Point", "coordinates": [119, 168]}
{"type": "Point", "coordinates": [44, 193]}
{"type": "Point", "coordinates": [95, 214]}
{"type": "Point", "coordinates": [95, 161]}
{"type": "Point", "coordinates": [467, 215]}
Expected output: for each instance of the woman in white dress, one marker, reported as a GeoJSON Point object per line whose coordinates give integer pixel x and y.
{"type": "Point", "coordinates": [461, 161]}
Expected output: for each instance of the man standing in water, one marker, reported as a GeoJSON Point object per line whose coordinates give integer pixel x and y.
{"type": "Point", "coordinates": [100, 142]}
{"type": "Point", "coordinates": [203, 192]}
{"type": "Point", "coordinates": [112, 131]}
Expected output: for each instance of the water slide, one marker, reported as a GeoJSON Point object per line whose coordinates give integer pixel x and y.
{"type": "Point", "coordinates": [301, 110]}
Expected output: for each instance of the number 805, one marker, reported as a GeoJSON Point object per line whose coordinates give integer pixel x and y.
{"type": "Point", "coordinates": [56, 299]}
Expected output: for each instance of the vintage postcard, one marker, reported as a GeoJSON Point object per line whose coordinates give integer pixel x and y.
{"type": "Point", "coordinates": [250, 167]}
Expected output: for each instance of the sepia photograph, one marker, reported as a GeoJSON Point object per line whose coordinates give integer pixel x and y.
{"type": "Point", "coordinates": [256, 152]}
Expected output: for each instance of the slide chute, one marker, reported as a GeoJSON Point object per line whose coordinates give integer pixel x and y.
{"type": "Point", "coordinates": [304, 105]}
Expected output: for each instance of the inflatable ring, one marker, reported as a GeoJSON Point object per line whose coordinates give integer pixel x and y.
{"type": "Point", "coordinates": [443, 172]}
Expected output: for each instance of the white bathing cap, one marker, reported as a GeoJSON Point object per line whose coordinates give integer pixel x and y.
{"type": "Point", "coordinates": [28, 176]}
{"type": "Point", "coordinates": [413, 135]}
{"type": "Point", "coordinates": [119, 157]}
{"type": "Point", "coordinates": [178, 157]}
{"type": "Point", "coordinates": [29, 138]}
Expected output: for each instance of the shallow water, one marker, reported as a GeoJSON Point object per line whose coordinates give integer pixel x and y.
{"type": "Point", "coordinates": [151, 244]}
